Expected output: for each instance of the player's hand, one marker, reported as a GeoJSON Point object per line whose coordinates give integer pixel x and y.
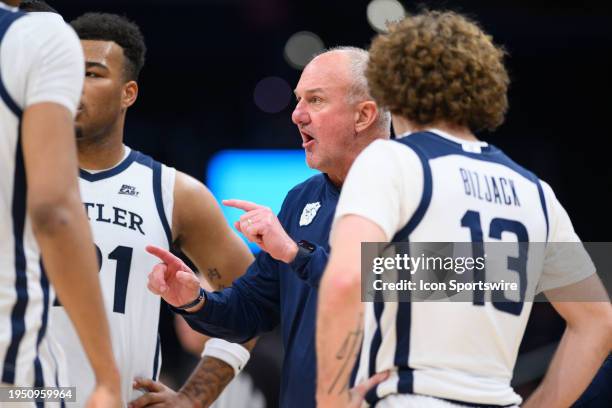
{"type": "Point", "coordinates": [358, 393]}
{"type": "Point", "coordinates": [159, 395]}
{"type": "Point", "coordinates": [355, 397]}
{"type": "Point", "coordinates": [104, 397]}
{"type": "Point", "coordinates": [174, 281]}
{"type": "Point", "coordinates": [261, 226]}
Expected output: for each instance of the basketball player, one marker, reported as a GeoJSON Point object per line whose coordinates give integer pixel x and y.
{"type": "Point", "coordinates": [443, 79]}
{"type": "Point", "coordinates": [131, 200]}
{"type": "Point", "coordinates": [40, 209]}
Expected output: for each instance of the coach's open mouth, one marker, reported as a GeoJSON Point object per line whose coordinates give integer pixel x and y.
{"type": "Point", "coordinates": [307, 140]}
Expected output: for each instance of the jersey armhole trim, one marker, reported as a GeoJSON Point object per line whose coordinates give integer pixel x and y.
{"type": "Point", "coordinates": [543, 202]}
{"type": "Point", "coordinates": [415, 219]}
{"type": "Point", "coordinates": [159, 202]}
{"type": "Point", "coordinates": [6, 21]}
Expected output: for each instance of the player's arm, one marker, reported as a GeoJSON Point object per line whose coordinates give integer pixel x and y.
{"type": "Point", "coordinates": [585, 344]}
{"type": "Point", "coordinates": [221, 257]}
{"type": "Point", "coordinates": [62, 231]}
{"type": "Point", "coordinates": [371, 208]}
{"type": "Point", "coordinates": [58, 219]}
{"type": "Point", "coordinates": [201, 231]}
{"type": "Point", "coordinates": [340, 311]}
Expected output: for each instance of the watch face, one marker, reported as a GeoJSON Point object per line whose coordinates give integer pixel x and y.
{"type": "Point", "coordinates": [306, 245]}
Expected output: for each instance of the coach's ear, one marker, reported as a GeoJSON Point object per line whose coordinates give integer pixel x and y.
{"type": "Point", "coordinates": [365, 115]}
{"type": "Point", "coordinates": [129, 94]}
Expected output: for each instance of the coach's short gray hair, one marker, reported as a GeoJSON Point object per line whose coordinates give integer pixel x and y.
{"type": "Point", "coordinates": [359, 90]}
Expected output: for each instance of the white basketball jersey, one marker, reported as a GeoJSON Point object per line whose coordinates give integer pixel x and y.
{"type": "Point", "coordinates": [433, 187]}
{"type": "Point", "coordinates": [27, 356]}
{"type": "Point", "coordinates": [129, 207]}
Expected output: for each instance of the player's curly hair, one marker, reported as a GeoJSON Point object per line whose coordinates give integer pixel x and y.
{"type": "Point", "coordinates": [440, 66]}
{"type": "Point", "coordinates": [112, 27]}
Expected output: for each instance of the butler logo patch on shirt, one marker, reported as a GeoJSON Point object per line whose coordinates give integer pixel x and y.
{"type": "Point", "coordinates": [309, 212]}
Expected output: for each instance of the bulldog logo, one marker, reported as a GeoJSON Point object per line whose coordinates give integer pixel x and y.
{"type": "Point", "coordinates": [309, 212]}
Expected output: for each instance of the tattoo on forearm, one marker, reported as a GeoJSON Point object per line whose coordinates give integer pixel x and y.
{"type": "Point", "coordinates": [213, 274]}
{"type": "Point", "coordinates": [209, 379]}
{"type": "Point", "coordinates": [345, 354]}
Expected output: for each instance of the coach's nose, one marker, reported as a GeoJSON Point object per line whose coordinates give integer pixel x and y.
{"type": "Point", "coordinates": [300, 116]}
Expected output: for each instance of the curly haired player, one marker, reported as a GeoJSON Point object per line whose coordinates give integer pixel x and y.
{"type": "Point", "coordinates": [443, 79]}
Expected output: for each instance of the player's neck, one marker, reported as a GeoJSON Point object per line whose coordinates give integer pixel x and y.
{"type": "Point", "coordinates": [100, 155]}
{"type": "Point", "coordinates": [403, 126]}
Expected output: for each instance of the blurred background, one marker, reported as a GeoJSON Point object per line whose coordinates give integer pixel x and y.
{"type": "Point", "coordinates": [216, 90]}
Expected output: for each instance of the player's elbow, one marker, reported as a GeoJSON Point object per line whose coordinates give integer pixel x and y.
{"type": "Point", "coordinates": [49, 215]}
{"type": "Point", "coordinates": [598, 322]}
{"type": "Point", "coordinates": [607, 326]}
{"type": "Point", "coordinates": [342, 285]}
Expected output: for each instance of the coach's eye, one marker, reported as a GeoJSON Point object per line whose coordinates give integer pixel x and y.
{"type": "Point", "coordinates": [316, 99]}
{"type": "Point", "coordinates": [91, 75]}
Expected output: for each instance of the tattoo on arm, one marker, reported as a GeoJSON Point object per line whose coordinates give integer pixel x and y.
{"type": "Point", "coordinates": [346, 353]}
{"type": "Point", "coordinates": [213, 274]}
{"type": "Point", "coordinates": [209, 379]}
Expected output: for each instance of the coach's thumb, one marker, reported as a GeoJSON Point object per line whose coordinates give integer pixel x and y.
{"type": "Point", "coordinates": [188, 279]}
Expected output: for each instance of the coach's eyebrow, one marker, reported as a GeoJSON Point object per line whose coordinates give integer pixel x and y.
{"type": "Point", "coordinates": [310, 92]}
{"type": "Point", "coordinates": [91, 64]}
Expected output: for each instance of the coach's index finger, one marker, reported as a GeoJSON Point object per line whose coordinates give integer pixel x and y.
{"type": "Point", "coordinates": [164, 255]}
{"type": "Point", "coordinates": [241, 204]}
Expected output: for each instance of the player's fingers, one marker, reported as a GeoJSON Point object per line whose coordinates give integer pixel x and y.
{"type": "Point", "coordinates": [146, 400]}
{"type": "Point", "coordinates": [241, 204]}
{"type": "Point", "coordinates": [148, 384]}
{"type": "Point", "coordinates": [361, 389]}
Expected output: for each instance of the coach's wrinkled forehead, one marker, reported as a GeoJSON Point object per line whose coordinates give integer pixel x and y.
{"type": "Point", "coordinates": [327, 72]}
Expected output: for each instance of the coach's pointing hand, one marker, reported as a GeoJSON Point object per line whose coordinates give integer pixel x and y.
{"type": "Point", "coordinates": [174, 281]}
{"type": "Point", "coordinates": [261, 226]}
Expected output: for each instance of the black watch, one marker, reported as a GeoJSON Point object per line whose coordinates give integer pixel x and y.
{"type": "Point", "coordinates": [306, 246]}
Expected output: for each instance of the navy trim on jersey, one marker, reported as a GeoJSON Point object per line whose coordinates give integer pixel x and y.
{"type": "Point", "coordinates": [156, 359]}
{"type": "Point", "coordinates": [403, 321]}
{"type": "Point", "coordinates": [21, 279]}
{"type": "Point", "coordinates": [543, 202]}
{"type": "Point", "coordinates": [159, 202]}
{"type": "Point", "coordinates": [157, 190]}
{"type": "Point", "coordinates": [429, 146]}
{"type": "Point", "coordinates": [39, 380]}
{"type": "Point", "coordinates": [6, 19]}
{"type": "Point", "coordinates": [353, 376]}
{"type": "Point", "coordinates": [85, 175]}
{"type": "Point", "coordinates": [379, 306]}
{"type": "Point", "coordinates": [404, 233]}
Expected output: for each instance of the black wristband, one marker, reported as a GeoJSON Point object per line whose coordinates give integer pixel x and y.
{"type": "Point", "coordinates": [201, 295]}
